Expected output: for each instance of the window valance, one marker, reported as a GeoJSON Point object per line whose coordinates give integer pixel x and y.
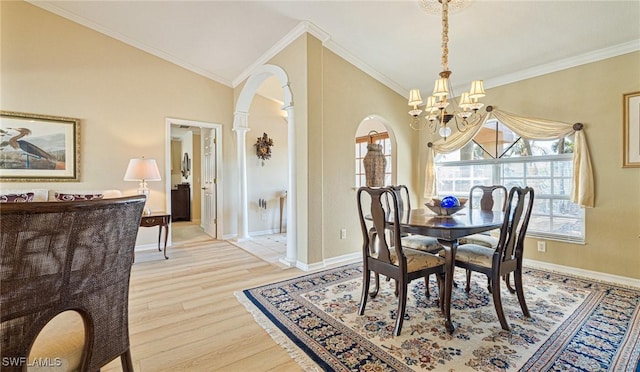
{"type": "Point", "coordinates": [582, 191]}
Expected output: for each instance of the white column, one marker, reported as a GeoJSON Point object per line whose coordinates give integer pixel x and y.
{"type": "Point", "coordinates": [292, 204]}
{"type": "Point", "coordinates": [240, 126]}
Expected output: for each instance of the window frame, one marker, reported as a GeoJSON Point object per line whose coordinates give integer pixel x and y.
{"type": "Point", "coordinates": [497, 177]}
{"type": "Point", "coordinates": [387, 150]}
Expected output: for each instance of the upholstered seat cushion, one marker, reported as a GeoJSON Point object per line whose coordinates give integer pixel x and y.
{"type": "Point", "coordinates": [416, 260]}
{"type": "Point", "coordinates": [59, 344]}
{"type": "Point", "coordinates": [475, 254]}
{"type": "Point", "coordinates": [421, 243]}
{"type": "Point", "coordinates": [484, 240]}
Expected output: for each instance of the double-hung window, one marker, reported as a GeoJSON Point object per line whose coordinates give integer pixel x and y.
{"type": "Point", "coordinates": [498, 156]}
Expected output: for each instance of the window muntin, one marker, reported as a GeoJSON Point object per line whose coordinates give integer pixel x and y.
{"type": "Point", "coordinates": [519, 162]}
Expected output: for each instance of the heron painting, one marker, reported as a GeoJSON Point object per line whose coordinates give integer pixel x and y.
{"type": "Point", "coordinates": [29, 150]}
{"type": "Point", "coordinates": [37, 146]}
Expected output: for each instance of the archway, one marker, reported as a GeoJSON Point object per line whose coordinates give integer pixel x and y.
{"type": "Point", "coordinates": [241, 127]}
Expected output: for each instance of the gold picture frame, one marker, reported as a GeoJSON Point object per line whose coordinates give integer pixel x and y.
{"type": "Point", "coordinates": [39, 148]}
{"type": "Point", "coordinates": [631, 130]}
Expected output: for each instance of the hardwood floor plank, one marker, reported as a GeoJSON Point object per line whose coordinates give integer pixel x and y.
{"type": "Point", "coordinates": [184, 316]}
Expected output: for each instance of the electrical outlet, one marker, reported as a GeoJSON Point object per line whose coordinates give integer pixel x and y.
{"type": "Point", "coordinates": [542, 246]}
{"type": "Point", "coordinates": [343, 233]}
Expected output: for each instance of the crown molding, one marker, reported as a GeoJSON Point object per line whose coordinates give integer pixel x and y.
{"type": "Point", "coordinates": [51, 7]}
{"type": "Point", "coordinates": [325, 38]}
{"type": "Point", "coordinates": [563, 64]}
{"type": "Point", "coordinates": [300, 29]}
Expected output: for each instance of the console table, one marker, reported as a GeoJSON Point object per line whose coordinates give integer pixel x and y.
{"type": "Point", "coordinates": [160, 219]}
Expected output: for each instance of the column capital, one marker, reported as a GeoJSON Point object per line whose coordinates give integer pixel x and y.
{"type": "Point", "coordinates": [240, 121]}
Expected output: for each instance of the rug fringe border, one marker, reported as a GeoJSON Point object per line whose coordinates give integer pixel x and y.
{"type": "Point", "coordinates": [276, 334]}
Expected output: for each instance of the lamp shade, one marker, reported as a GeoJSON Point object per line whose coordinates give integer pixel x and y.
{"type": "Point", "coordinates": [414, 97]}
{"type": "Point", "coordinates": [465, 101]}
{"type": "Point", "coordinates": [477, 89]}
{"type": "Point", "coordinates": [142, 170]}
{"type": "Point", "coordinates": [432, 104]}
{"type": "Point", "coordinates": [441, 87]}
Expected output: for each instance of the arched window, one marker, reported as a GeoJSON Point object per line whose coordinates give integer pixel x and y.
{"type": "Point", "coordinates": [497, 155]}
{"type": "Point", "coordinates": [361, 151]}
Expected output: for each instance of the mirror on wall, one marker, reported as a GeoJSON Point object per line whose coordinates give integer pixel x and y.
{"type": "Point", "coordinates": [186, 166]}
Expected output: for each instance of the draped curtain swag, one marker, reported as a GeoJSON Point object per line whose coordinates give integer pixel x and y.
{"type": "Point", "coordinates": [582, 191]}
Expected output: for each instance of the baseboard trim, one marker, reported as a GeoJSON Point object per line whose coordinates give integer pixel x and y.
{"type": "Point", "coordinates": [146, 247]}
{"type": "Point", "coordinates": [330, 262]}
{"type": "Point", "coordinates": [594, 275]}
{"type": "Point", "coordinates": [264, 232]}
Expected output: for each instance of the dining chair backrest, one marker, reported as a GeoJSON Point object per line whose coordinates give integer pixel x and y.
{"type": "Point", "coordinates": [374, 221]}
{"type": "Point", "coordinates": [514, 227]}
{"type": "Point", "coordinates": [404, 201]}
{"type": "Point", "coordinates": [60, 256]}
{"type": "Point", "coordinates": [487, 199]}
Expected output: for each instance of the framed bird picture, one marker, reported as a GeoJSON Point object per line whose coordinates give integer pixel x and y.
{"type": "Point", "coordinates": [38, 148]}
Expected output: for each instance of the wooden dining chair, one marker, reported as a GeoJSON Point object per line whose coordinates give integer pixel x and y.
{"type": "Point", "coordinates": [485, 198]}
{"type": "Point", "coordinates": [383, 253]}
{"type": "Point", "coordinates": [507, 256]}
{"type": "Point", "coordinates": [486, 203]}
{"type": "Point", "coordinates": [412, 241]}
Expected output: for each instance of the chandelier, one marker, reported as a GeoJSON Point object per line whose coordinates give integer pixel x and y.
{"type": "Point", "coordinates": [441, 107]}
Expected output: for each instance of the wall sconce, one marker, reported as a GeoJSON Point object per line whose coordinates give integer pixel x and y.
{"type": "Point", "coordinates": [143, 170]}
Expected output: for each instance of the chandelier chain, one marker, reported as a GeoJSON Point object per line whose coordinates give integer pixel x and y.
{"type": "Point", "coordinates": [445, 35]}
{"type": "Point", "coordinates": [458, 111]}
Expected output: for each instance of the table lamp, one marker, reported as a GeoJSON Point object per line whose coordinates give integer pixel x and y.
{"type": "Point", "coordinates": [143, 170]}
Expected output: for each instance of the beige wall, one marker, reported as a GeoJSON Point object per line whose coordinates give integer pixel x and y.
{"type": "Point", "coordinates": [349, 96]}
{"type": "Point", "coordinates": [590, 94]}
{"type": "Point", "coordinates": [122, 95]}
{"type": "Point", "coordinates": [269, 180]}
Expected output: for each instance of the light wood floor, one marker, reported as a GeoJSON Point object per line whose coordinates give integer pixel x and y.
{"type": "Point", "coordinates": [183, 315]}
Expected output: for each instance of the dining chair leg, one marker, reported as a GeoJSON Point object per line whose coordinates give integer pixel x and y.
{"type": "Point", "coordinates": [440, 279]}
{"type": "Point", "coordinates": [125, 360]}
{"type": "Point", "coordinates": [497, 303]}
{"type": "Point", "coordinates": [517, 275]}
{"type": "Point", "coordinates": [402, 306]}
{"type": "Point", "coordinates": [365, 289]}
{"type": "Point", "coordinates": [426, 286]}
{"type": "Point", "coordinates": [374, 293]}
{"type": "Point", "coordinates": [468, 287]}
{"type": "Point", "coordinates": [507, 279]}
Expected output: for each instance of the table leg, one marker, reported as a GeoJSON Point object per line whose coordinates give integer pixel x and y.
{"type": "Point", "coordinates": [281, 208]}
{"type": "Point", "coordinates": [450, 248]}
{"type": "Point", "coordinates": [159, 236]}
{"type": "Point", "coordinates": [166, 236]}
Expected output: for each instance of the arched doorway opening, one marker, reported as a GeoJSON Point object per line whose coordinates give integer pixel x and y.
{"type": "Point", "coordinates": [241, 127]}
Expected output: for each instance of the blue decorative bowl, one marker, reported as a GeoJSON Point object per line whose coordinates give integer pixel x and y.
{"type": "Point", "coordinates": [436, 206]}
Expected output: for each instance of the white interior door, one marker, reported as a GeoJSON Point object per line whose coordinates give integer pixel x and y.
{"type": "Point", "coordinates": [208, 180]}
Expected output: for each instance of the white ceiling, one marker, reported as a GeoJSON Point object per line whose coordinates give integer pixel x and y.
{"type": "Point", "coordinates": [396, 42]}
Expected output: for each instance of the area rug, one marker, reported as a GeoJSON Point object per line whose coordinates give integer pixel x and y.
{"type": "Point", "coordinates": [576, 324]}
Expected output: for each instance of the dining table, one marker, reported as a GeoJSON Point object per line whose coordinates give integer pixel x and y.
{"type": "Point", "coordinates": [448, 229]}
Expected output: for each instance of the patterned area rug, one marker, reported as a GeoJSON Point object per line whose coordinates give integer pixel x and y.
{"type": "Point", "coordinates": [576, 324]}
